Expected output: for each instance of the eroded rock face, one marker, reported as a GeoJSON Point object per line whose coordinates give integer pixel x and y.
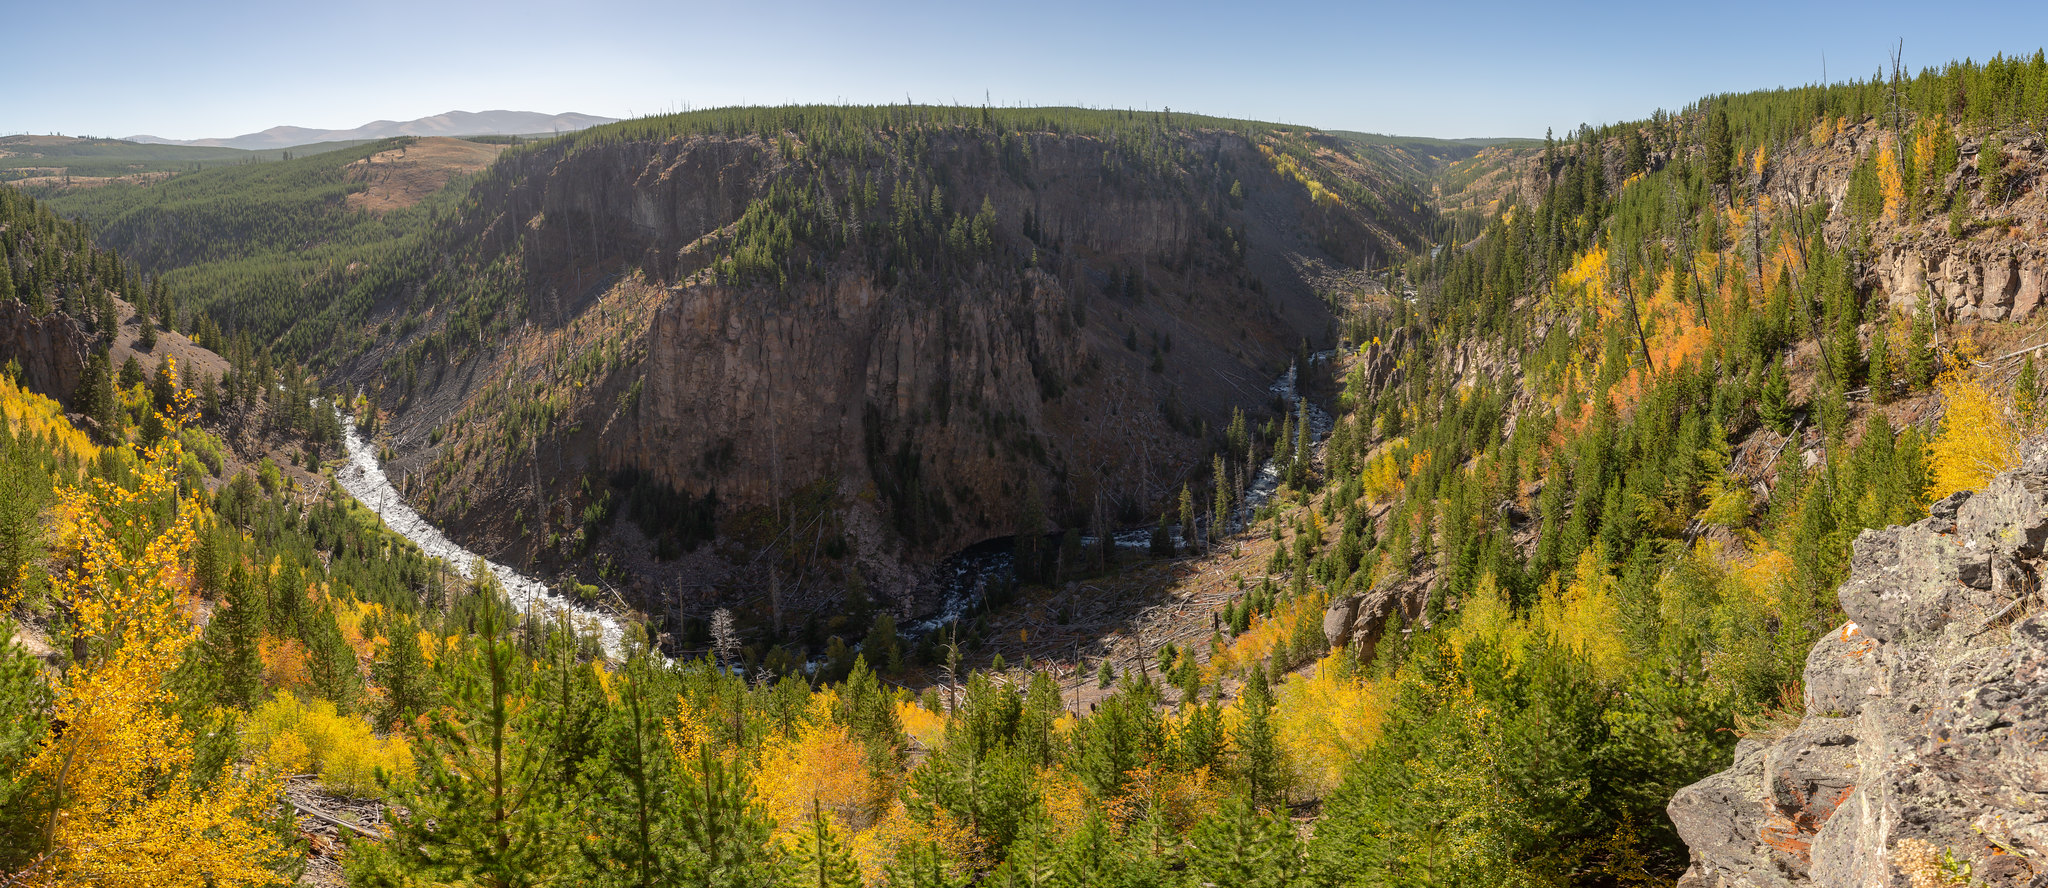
{"type": "Point", "coordinates": [1926, 721]}
{"type": "Point", "coordinates": [51, 349]}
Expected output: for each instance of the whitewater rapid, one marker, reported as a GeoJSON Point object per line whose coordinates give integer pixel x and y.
{"type": "Point", "coordinates": [365, 480]}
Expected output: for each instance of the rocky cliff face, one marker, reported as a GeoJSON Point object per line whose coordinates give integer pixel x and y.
{"type": "Point", "coordinates": [1923, 754]}
{"type": "Point", "coordinates": [1085, 356]}
{"type": "Point", "coordinates": [50, 349]}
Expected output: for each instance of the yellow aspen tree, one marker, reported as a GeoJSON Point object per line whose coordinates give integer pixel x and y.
{"type": "Point", "coordinates": [1977, 439]}
{"type": "Point", "coordinates": [123, 809]}
{"type": "Point", "coordinates": [1893, 182]}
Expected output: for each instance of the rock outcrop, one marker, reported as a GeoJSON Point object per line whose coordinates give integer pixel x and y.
{"type": "Point", "coordinates": [1924, 747]}
{"type": "Point", "coordinates": [51, 349]}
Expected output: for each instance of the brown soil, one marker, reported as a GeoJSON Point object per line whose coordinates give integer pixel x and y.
{"type": "Point", "coordinates": [405, 176]}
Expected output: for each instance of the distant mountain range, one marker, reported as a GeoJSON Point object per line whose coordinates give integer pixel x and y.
{"type": "Point", "coordinates": [453, 123]}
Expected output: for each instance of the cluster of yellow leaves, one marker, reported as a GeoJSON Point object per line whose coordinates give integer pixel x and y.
{"type": "Point", "coordinates": [1759, 579]}
{"type": "Point", "coordinates": [923, 726]}
{"type": "Point", "coordinates": [822, 762]}
{"type": "Point", "coordinates": [1484, 613]}
{"type": "Point", "coordinates": [1176, 799]}
{"type": "Point", "coordinates": [1587, 275]}
{"type": "Point", "coordinates": [125, 812]}
{"type": "Point", "coordinates": [349, 615]}
{"type": "Point", "coordinates": [1978, 437]}
{"type": "Point", "coordinates": [1266, 633]}
{"type": "Point", "coordinates": [687, 731]}
{"type": "Point", "coordinates": [1892, 179]}
{"type": "Point", "coordinates": [314, 738]}
{"type": "Point", "coordinates": [1762, 157]}
{"type": "Point", "coordinates": [1285, 165]}
{"type": "Point", "coordinates": [1927, 136]}
{"type": "Point", "coordinates": [1826, 129]}
{"type": "Point", "coordinates": [1326, 719]}
{"type": "Point", "coordinates": [28, 412]}
{"type": "Point", "coordinates": [1583, 614]}
{"type": "Point", "coordinates": [284, 663]}
{"type": "Point", "coordinates": [1382, 475]}
{"type": "Point", "coordinates": [1064, 798]}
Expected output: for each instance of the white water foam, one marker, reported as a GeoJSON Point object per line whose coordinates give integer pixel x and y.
{"type": "Point", "coordinates": [365, 480]}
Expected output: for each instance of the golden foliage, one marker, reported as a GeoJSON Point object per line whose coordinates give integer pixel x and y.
{"type": "Point", "coordinates": [1978, 438]}
{"type": "Point", "coordinates": [820, 761]}
{"type": "Point", "coordinates": [313, 737]}
{"type": "Point", "coordinates": [1582, 615]}
{"type": "Point", "coordinates": [1266, 633]}
{"type": "Point", "coordinates": [1175, 799]}
{"type": "Point", "coordinates": [1326, 719]}
{"type": "Point", "coordinates": [1286, 166]}
{"type": "Point", "coordinates": [1925, 866]}
{"type": "Point", "coordinates": [28, 412]}
{"type": "Point", "coordinates": [1065, 800]}
{"type": "Point", "coordinates": [1893, 181]}
{"type": "Point", "coordinates": [1382, 475]}
{"type": "Point", "coordinates": [115, 777]}
{"type": "Point", "coordinates": [921, 725]}
{"type": "Point", "coordinates": [284, 663]}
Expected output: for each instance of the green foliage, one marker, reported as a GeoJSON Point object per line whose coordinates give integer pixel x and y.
{"type": "Point", "coordinates": [24, 703]}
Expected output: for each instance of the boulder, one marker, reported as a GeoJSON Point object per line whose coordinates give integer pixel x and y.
{"type": "Point", "coordinates": [1926, 722]}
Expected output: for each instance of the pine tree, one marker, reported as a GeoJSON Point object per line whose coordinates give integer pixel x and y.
{"type": "Point", "coordinates": [401, 670]}
{"type": "Point", "coordinates": [481, 809]}
{"type": "Point", "coordinates": [821, 859]}
{"type": "Point", "coordinates": [1920, 357]}
{"type": "Point", "coordinates": [634, 839]}
{"type": "Point", "coordinates": [1258, 749]}
{"type": "Point", "coordinates": [96, 398]}
{"type": "Point", "coordinates": [1880, 361]}
{"type": "Point", "coordinates": [725, 829]}
{"type": "Point", "coordinates": [2026, 391]}
{"type": "Point", "coordinates": [1219, 518]}
{"type": "Point", "coordinates": [1991, 171]}
{"type": "Point", "coordinates": [232, 637]}
{"type": "Point", "coordinates": [1774, 402]}
{"type": "Point", "coordinates": [1242, 847]}
{"type": "Point", "coordinates": [1720, 147]}
{"type": "Point", "coordinates": [1188, 537]}
{"type": "Point", "coordinates": [922, 865]}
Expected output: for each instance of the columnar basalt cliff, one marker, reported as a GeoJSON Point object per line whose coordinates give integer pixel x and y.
{"type": "Point", "coordinates": [1923, 753]}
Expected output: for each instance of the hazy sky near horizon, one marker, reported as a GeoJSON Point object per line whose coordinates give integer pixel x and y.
{"type": "Point", "coordinates": [217, 69]}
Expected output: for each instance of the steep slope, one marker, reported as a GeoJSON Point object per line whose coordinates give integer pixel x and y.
{"type": "Point", "coordinates": [855, 344]}
{"type": "Point", "coordinates": [892, 332]}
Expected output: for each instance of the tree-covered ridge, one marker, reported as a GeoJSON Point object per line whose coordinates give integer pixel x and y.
{"type": "Point", "coordinates": [51, 263]}
{"type": "Point", "coordinates": [272, 250]}
{"type": "Point", "coordinates": [45, 157]}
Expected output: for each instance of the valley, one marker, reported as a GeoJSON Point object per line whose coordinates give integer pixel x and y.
{"type": "Point", "coordinates": [939, 495]}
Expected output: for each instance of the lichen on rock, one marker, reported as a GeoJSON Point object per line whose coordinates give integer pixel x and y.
{"type": "Point", "coordinates": [1926, 725]}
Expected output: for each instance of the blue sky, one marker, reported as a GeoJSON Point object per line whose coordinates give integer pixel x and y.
{"type": "Point", "coordinates": [191, 70]}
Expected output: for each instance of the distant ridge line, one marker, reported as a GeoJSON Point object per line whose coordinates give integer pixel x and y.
{"type": "Point", "coordinates": [452, 123]}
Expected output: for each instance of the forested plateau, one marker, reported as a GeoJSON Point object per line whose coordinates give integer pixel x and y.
{"type": "Point", "coordinates": [1654, 509]}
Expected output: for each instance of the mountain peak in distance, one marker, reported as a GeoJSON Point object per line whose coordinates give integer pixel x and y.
{"type": "Point", "coordinates": [452, 123]}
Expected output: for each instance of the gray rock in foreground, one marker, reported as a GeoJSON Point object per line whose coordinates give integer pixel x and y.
{"type": "Point", "coordinates": [1926, 725]}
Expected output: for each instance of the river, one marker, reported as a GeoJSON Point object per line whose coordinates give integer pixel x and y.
{"type": "Point", "coordinates": [364, 479]}
{"type": "Point", "coordinates": [964, 577]}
